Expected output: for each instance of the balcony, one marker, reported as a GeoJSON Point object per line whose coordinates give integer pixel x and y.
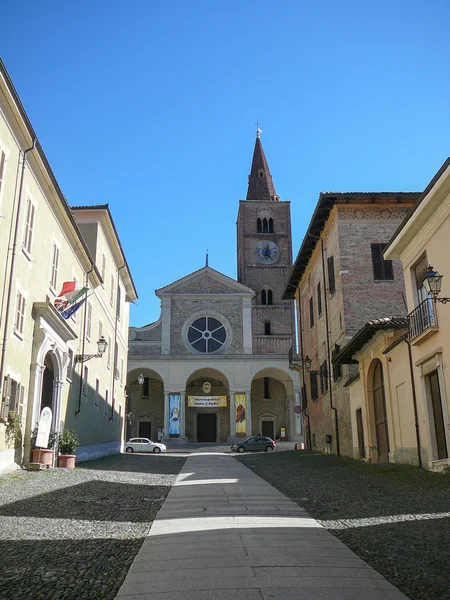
{"type": "Point", "coordinates": [422, 322]}
{"type": "Point", "coordinates": [295, 362]}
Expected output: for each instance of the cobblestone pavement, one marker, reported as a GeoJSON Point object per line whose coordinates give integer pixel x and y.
{"type": "Point", "coordinates": [72, 534]}
{"type": "Point", "coordinates": [395, 517]}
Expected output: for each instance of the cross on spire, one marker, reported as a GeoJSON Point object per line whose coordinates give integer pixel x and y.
{"type": "Point", "coordinates": [206, 262]}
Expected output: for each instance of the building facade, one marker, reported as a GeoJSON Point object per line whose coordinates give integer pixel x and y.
{"type": "Point", "coordinates": [43, 246]}
{"type": "Point", "coordinates": [340, 281]}
{"type": "Point", "coordinates": [215, 365]}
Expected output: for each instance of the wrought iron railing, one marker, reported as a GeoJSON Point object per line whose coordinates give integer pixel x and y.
{"type": "Point", "coordinates": [423, 317]}
{"type": "Point", "coordinates": [294, 359]}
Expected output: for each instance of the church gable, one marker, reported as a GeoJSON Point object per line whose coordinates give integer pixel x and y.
{"type": "Point", "coordinates": [206, 281]}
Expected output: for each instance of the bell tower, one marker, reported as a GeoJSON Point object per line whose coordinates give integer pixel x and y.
{"type": "Point", "coordinates": [264, 257]}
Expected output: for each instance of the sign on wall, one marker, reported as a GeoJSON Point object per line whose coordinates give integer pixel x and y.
{"type": "Point", "coordinates": [211, 401]}
{"type": "Point", "coordinates": [174, 414]}
{"type": "Point", "coordinates": [240, 405]}
{"type": "Point", "coordinates": [45, 423]}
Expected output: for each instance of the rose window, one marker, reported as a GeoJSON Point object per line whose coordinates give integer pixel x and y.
{"type": "Point", "coordinates": [207, 335]}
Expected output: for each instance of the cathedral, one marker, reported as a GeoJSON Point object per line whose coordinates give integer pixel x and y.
{"type": "Point", "coordinates": [215, 366]}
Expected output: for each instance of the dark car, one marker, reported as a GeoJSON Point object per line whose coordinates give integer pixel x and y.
{"type": "Point", "coordinates": [254, 443]}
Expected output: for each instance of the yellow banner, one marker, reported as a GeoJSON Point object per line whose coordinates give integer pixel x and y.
{"type": "Point", "coordinates": [240, 405]}
{"type": "Point", "coordinates": [213, 401]}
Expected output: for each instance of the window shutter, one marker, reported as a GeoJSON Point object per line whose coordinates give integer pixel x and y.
{"type": "Point", "coordinates": [2, 168]}
{"type": "Point", "coordinates": [311, 312]}
{"type": "Point", "coordinates": [5, 397]}
{"type": "Point", "coordinates": [319, 300]}
{"type": "Point", "coordinates": [331, 278]}
{"type": "Point", "coordinates": [21, 399]}
{"type": "Point", "coordinates": [14, 396]}
{"type": "Point", "coordinates": [376, 261]}
{"type": "Point", "coordinates": [313, 384]}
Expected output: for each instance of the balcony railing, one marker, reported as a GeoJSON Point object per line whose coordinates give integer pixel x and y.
{"type": "Point", "coordinates": [294, 360]}
{"type": "Point", "coordinates": [422, 318]}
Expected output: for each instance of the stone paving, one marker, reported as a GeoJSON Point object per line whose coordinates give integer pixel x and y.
{"type": "Point", "coordinates": [225, 534]}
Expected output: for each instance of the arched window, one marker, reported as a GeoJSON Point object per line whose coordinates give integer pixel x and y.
{"type": "Point", "coordinates": [270, 225]}
{"type": "Point", "coordinates": [258, 226]}
{"type": "Point", "coordinates": [267, 328]}
{"type": "Point", "coordinates": [265, 226]}
{"type": "Point", "coordinates": [269, 296]}
{"type": "Point", "coordinates": [263, 297]}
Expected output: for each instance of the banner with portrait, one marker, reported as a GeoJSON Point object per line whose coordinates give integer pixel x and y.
{"type": "Point", "coordinates": [174, 414]}
{"type": "Point", "coordinates": [240, 405]}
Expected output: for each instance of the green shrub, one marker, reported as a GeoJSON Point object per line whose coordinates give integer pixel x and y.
{"type": "Point", "coordinates": [68, 441]}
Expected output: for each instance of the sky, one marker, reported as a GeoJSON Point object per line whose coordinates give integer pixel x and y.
{"type": "Point", "coordinates": [150, 106]}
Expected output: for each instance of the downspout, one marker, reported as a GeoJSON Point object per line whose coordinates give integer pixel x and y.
{"type": "Point", "coordinates": [80, 387]}
{"type": "Point", "coordinates": [330, 389]}
{"type": "Point", "coordinates": [13, 258]}
{"type": "Point", "coordinates": [302, 356]}
{"type": "Point", "coordinates": [414, 397]}
{"type": "Point", "coordinates": [115, 341]}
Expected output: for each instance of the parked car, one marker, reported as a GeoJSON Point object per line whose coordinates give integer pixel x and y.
{"type": "Point", "coordinates": [254, 443]}
{"type": "Point", "coordinates": [144, 445]}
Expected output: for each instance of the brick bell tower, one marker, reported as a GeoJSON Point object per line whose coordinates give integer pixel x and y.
{"type": "Point", "coordinates": [264, 257]}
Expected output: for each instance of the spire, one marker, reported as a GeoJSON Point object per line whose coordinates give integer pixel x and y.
{"type": "Point", "coordinates": [260, 184]}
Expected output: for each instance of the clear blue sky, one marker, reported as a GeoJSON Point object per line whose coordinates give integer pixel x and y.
{"type": "Point", "coordinates": [150, 105]}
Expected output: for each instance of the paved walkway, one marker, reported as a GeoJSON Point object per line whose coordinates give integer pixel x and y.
{"type": "Point", "coordinates": [225, 534]}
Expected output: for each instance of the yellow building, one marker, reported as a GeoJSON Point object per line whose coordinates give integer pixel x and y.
{"type": "Point", "coordinates": [43, 244]}
{"type": "Point", "coordinates": [398, 399]}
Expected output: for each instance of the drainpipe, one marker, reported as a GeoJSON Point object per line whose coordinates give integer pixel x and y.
{"type": "Point", "coordinates": [115, 341]}
{"type": "Point", "coordinates": [80, 387]}
{"type": "Point", "coordinates": [414, 397]}
{"type": "Point", "coordinates": [336, 421]}
{"type": "Point", "coordinates": [302, 356]}
{"type": "Point", "coordinates": [13, 260]}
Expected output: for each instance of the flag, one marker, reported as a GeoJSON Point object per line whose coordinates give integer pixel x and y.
{"type": "Point", "coordinates": [66, 314]}
{"type": "Point", "coordinates": [61, 304]}
{"type": "Point", "coordinates": [72, 290]}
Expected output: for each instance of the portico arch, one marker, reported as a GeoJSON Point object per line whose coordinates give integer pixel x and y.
{"type": "Point", "coordinates": [144, 410]}
{"type": "Point", "coordinates": [207, 402]}
{"type": "Point", "coordinates": [272, 403]}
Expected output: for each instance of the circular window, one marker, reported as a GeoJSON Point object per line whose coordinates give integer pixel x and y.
{"type": "Point", "coordinates": [207, 335]}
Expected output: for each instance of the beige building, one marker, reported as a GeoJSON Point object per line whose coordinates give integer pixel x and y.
{"type": "Point", "coordinates": [399, 402]}
{"type": "Point", "coordinates": [43, 244]}
{"type": "Point", "coordinates": [215, 365]}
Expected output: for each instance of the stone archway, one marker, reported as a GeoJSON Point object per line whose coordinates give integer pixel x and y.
{"type": "Point", "coordinates": [144, 410]}
{"type": "Point", "coordinates": [207, 406]}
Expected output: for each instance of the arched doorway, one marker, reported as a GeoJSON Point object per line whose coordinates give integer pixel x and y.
{"type": "Point", "coordinates": [48, 382]}
{"type": "Point", "coordinates": [379, 407]}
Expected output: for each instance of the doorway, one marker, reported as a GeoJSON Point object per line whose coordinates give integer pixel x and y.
{"type": "Point", "coordinates": [206, 427]}
{"type": "Point", "coordinates": [379, 403]}
{"type": "Point", "coordinates": [438, 416]}
{"type": "Point", "coordinates": [360, 430]}
{"type": "Point", "coordinates": [268, 429]}
{"type": "Point", "coordinates": [145, 429]}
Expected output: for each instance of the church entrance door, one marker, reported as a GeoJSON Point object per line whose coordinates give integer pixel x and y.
{"type": "Point", "coordinates": [206, 427]}
{"type": "Point", "coordinates": [267, 429]}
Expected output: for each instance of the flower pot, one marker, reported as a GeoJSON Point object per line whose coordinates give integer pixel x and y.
{"type": "Point", "coordinates": [44, 456]}
{"type": "Point", "coordinates": [67, 461]}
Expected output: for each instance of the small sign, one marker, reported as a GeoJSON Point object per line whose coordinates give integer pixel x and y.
{"type": "Point", "coordinates": [212, 401]}
{"type": "Point", "coordinates": [298, 409]}
{"type": "Point", "coordinates": [45, 423]}
{"type": "Point", "coordinates": [282, 432]}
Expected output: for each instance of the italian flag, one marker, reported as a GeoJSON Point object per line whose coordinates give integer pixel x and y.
{"type": "Point", "coordinates": [72, 290]}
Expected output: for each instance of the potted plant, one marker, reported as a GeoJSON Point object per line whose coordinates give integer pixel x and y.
{"type": "Point", "coordinates": [12, 431]}
{"type": "Point", "coordinates": [67, 443]}
{"type": "Point", "coordinates": [43, 456]}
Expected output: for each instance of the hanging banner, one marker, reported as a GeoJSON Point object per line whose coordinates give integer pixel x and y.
{"type": "Point", "coordinates": [240, 403]}
{"type": "Point", "coordinates": [174, 414]}
{"type": "Point", "coordinates": [217, 401]}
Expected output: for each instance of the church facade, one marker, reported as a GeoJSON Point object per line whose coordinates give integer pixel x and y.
{"type": "Point", "coordinates": [215, 365]}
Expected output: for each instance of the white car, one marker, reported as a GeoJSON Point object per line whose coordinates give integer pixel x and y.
{"type": "Point", "coordinates": [144, 445]}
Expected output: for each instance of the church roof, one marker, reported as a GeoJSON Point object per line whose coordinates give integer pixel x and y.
{"type": "Point", "coordinates": [260, 184]}
{"type": "Point", "coordinates": [227, 285]}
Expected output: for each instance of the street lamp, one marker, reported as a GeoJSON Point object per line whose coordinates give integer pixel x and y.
{"type": "Point", "coordinates": [308, 363]}
{"type": "Point", "coordinates": [433, 283]}
{"type": "Point", "coordinates": [101, 348]}
{"type": "Point", "coordinates": [140, 379]}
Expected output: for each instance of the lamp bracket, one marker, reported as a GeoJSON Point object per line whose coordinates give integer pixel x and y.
{"type": "Point", "coordinates": [81, 358]}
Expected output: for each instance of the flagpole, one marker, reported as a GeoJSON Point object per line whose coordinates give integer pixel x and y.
{"type": "Point", "coordinates": [80, 387]}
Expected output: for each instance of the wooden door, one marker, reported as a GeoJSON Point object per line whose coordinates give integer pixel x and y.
{"type": "Point", "coordinates": [145, 429]}
{"type": "Point", "coordinates": [381, 424]}
{"type": "Point", "coordinates": [267, 429]}
{"type": "Point", "coordinates": [360, 430]}
{"type": "Point", "coordinates": [438, 416]}
{"type": "Point", "coordinates": [206, 427]}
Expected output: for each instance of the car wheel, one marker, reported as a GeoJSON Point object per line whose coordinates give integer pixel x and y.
{"type": "Point", "coordinates": [241, 449]}
{"type": "Point", "coordinates": [269, 449]}
{"type": "Point", "coordinates": [156, 450]}
{"type": "Point", "coordinates": [129, 449]}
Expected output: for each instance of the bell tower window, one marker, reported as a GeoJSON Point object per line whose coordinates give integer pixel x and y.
{"type": "Point", "coordinates": [266, 297]}
{"type": "Point", "coordinates": [270, 226]}
{"type": "Point", "coordinates": [258, 226]}
{"type": "Point", "coordinates": [261, 173]}
{"type": "Point", "coordinates": [265, 226]}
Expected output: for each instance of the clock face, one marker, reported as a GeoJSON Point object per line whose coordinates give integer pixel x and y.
{"type": "Point", "coordinates": [267, 252]}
